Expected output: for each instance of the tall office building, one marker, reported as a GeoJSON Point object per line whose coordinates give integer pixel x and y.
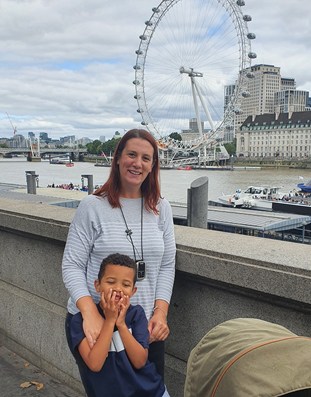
{"type": "Point", "coordinates": [266, 81]}
{"type": "Point", "coordinates": [268, 93]}
{"type": "Point", "coordinates": [290, 100]}
{"type": "Point", "coordinates": [288, 83]}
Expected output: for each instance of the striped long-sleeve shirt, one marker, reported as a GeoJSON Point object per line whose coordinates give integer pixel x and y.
{"type": "Point", "coordinates": [98, 230]}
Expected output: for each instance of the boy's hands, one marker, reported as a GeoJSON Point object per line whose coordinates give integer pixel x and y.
{"type": "Point", "coordinates": [115, 306]}
{"type": "Point", "coordinates": [123, 306]}
{"type": "Point", "coordinates": [110, 305]}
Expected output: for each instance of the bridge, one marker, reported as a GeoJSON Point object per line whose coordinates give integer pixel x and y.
{"type": "Point", "coordinates": [43, 151]}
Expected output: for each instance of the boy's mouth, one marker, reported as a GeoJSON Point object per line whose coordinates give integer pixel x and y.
{"type": "Point", "coordinates": [117, 297]}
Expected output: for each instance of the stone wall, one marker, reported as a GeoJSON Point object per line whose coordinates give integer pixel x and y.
{"type": "Point", "coordinates": [219, 276]}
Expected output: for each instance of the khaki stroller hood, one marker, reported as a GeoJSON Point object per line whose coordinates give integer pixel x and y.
{"type": "Point", "coordinates": [248, 357]}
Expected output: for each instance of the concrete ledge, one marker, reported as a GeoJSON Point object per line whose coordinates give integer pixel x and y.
{"type": "Point", "coordinates": [268, 266]}
{"type": "Point", "coordinates": [219, 276]}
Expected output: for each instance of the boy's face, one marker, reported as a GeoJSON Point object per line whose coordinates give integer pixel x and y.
{"type": "Point", "coordinates": [119, 279]}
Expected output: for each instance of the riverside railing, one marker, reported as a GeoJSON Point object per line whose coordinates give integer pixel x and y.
{"type": "Point", "coordinates": [219, 276]}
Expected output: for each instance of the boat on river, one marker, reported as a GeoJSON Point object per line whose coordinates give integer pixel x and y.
{"type": "Point", "coordinates": [61, 160]}
{"type": "Point", "coordinates": [255, 197]}
{"type": "Point", "coordinates": [305, 187]}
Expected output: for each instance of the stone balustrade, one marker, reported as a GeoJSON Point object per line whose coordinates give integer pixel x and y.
{"type": "Point", "coordinates": [219, 276]}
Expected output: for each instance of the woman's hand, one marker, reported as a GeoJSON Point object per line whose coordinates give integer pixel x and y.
{"type": "Point", "coordinates": [92, 325]}
{"type": "Point", "coordinates": [158, 328]}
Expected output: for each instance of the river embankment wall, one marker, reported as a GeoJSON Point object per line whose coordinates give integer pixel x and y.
{"type": "Point", "coordinates": [219, 276]}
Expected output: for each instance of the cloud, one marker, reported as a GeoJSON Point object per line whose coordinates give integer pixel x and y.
{"type": "Point", "coordinates": [67, 66]}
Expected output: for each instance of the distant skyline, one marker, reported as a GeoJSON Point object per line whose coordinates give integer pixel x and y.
{"type": "Point", "coordinates": [67, 67]}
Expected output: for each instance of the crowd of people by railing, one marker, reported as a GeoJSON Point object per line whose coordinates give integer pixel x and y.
{"type": "Point", "coordinates": [298, 198]}
{"type": "Point", "coordinates": [70, 186]}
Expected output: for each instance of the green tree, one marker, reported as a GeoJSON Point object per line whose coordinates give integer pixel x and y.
{"type": "Point", "coordinates": [109, 146]}
{"type": "Point", "coordinates": [94, 147]}
{"type": "Point", "coordinates": [231, 147]}
{"type": "Point", "coordinates": [175, 136]}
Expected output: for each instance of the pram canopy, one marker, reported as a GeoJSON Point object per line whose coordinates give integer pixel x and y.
{"type": "Point", "coordinates": [247, 357]}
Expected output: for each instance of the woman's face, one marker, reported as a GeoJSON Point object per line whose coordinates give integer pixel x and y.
{"type": "Point", "coordinates": [135, 163]}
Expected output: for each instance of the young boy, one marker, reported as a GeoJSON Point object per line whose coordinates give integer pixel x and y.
{"type": "Point", "coordinates": [117, 365]}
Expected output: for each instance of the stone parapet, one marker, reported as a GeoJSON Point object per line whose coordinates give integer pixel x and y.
{"type": "Point", "coordinates": [219, 276]}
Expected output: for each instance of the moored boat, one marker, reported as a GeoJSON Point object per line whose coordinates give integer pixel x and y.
{"type": "Point", "coordinates": [255, 197]}
{"type": "Point", "coordinates": [305, 187]}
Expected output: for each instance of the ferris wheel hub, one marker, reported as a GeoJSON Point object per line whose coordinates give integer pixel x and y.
{"type": "Point", "coordinates": [190, 72]}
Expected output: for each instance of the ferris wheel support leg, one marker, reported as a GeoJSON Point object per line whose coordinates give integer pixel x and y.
{"type": "Point", "coordinates": [205, 108]}
{"type": "Point", "coordinates": [197, 113]}
{"type": "Point", "coordinates": [196, 108]}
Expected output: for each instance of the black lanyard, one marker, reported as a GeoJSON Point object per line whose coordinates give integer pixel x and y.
{"type": "Point", "coordinates": [129, 232]}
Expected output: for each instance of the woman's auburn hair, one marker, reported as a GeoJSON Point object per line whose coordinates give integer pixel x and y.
{"type": "Point", "coordinates": [150, 188]}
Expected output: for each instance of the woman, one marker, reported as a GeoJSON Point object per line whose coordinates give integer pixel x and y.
{"type": "Point", "coordinates": [126, 215]}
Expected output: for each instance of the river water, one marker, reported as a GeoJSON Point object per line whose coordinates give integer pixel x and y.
{"type": "Point", "coordinates": [174, 183]}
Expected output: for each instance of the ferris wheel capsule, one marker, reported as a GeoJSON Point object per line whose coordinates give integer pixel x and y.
{"type": "Point", "coordinates": [252, 55]}
{"type": "Point", "coordinates": [251, 36]}
{"type": "Point", "coordinates": [247, 18]}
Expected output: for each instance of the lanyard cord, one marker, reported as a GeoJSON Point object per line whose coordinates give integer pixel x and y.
{"type": "Point", "coordinates": [129, 232]}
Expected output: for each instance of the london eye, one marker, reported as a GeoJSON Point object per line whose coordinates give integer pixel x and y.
{"type": "Point", "coordinates": [189, 51]}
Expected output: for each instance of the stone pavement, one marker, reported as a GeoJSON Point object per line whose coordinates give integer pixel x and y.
{"type": "Point", "coordinates": [15, 371]}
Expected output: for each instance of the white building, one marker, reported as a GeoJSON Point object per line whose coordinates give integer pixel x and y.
{"type": "Point", "coordinates": [278, 135]}
{"type": "Point", "coordinates": [193, 131]}
{"type": "Point", "coordinates": [268, 93]}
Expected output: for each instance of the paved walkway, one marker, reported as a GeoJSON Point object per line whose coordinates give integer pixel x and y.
{"type": "Point", "coordinates": [15, 371]}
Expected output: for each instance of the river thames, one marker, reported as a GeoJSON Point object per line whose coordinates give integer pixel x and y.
{"type": "Point", "coordinates": [174, 183]}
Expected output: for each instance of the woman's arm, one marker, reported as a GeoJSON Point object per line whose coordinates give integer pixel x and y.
{"type": "Point", "coordinates": [80, 239]}
{"type": "Point", "coordinates": [92, 320]}
{"type": "Point", "coordinates": [157, 326]}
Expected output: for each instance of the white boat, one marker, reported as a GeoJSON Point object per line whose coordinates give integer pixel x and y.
{"type": "Point", "coordinates": [255, 197]}
{"type": "Point", "coordinates": [60, 160]}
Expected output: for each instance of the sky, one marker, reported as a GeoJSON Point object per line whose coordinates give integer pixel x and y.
{"type": "Point", "coordinates": [66, 67]}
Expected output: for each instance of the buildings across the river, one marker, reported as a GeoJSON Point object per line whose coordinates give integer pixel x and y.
{"type": "Point", "coordinates": [277, 135]}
